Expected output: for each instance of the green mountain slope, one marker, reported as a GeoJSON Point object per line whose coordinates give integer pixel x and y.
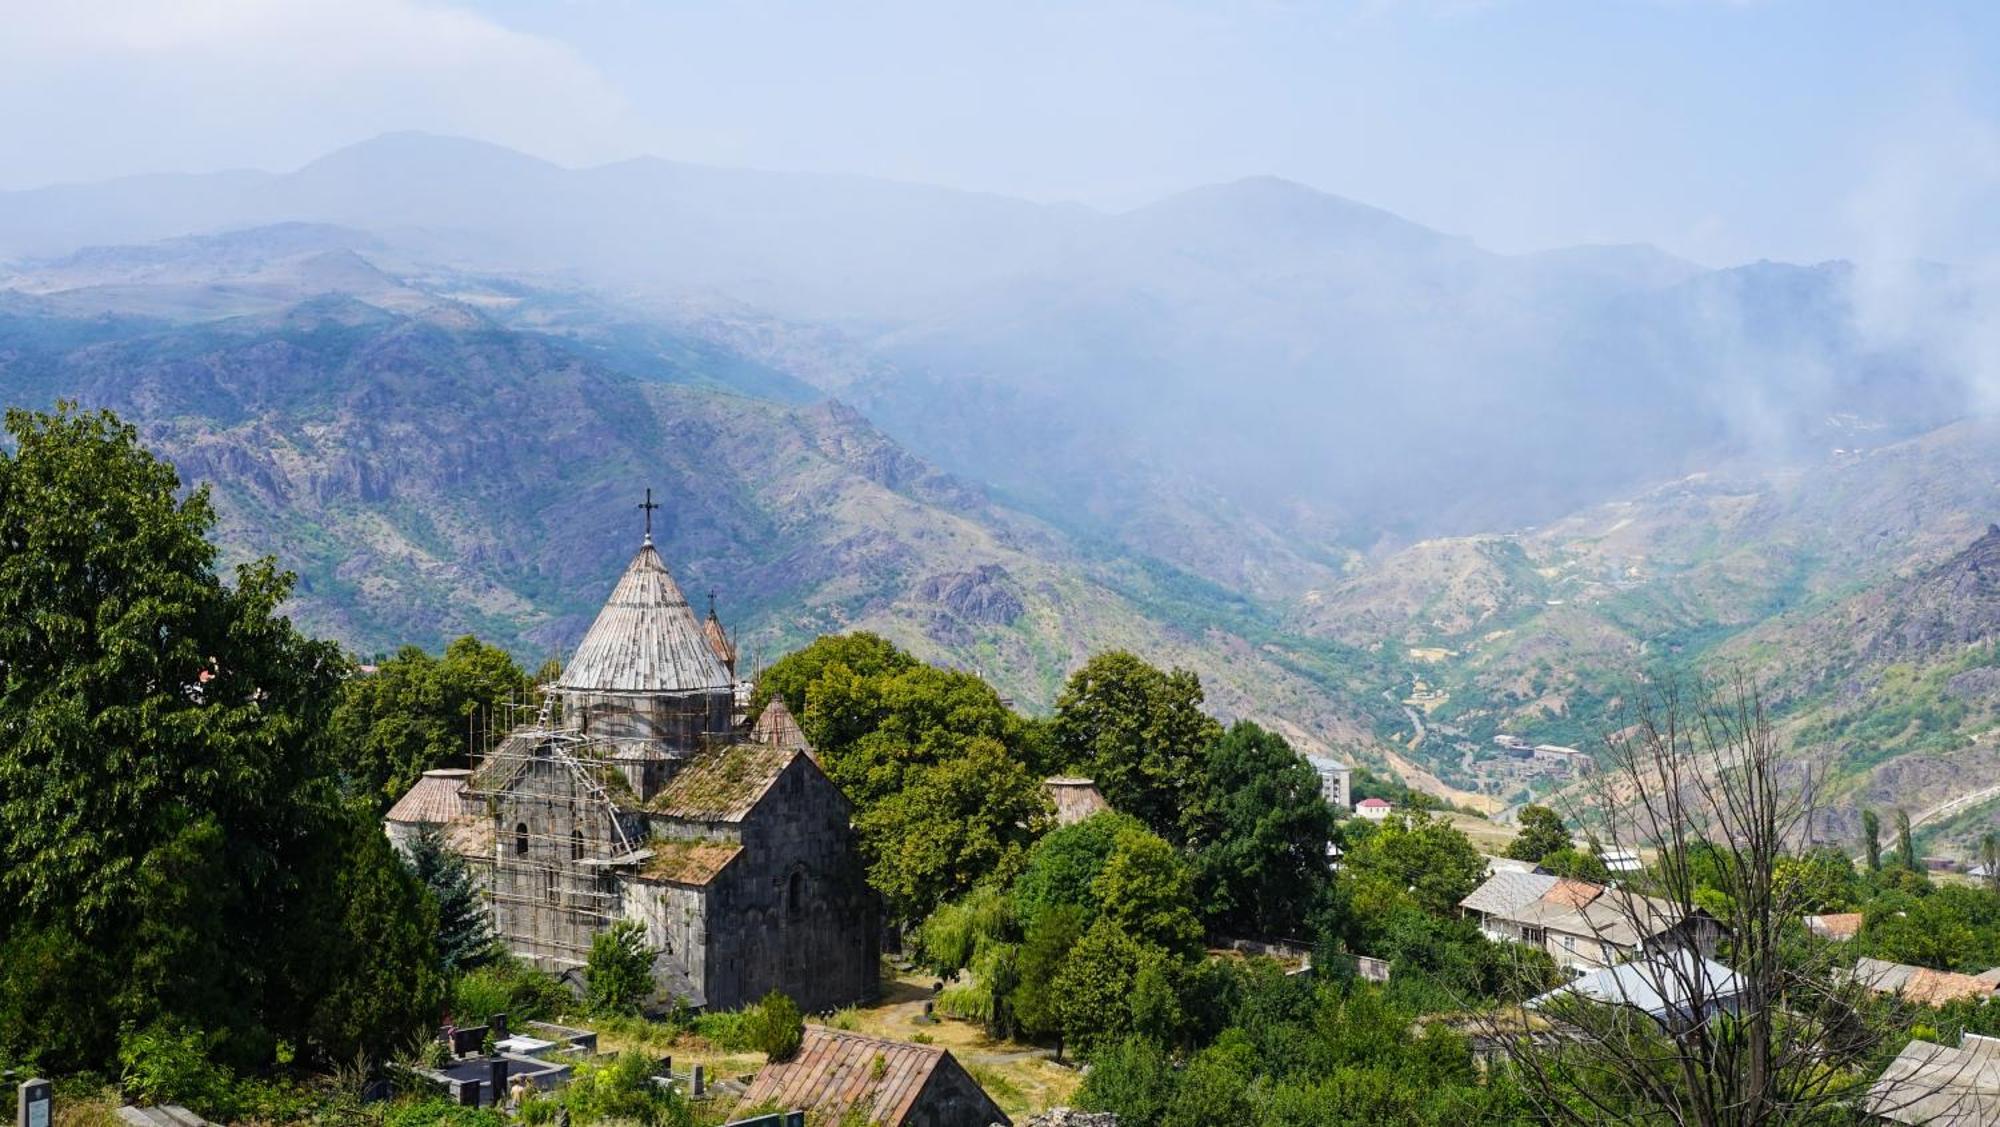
{"type": "Point", "coordinates": [431, 472]}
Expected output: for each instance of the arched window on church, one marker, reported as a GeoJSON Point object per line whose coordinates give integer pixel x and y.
{"type": "Point", "coordinates": [520, 839]}
{"type": "Point", "coordinates": [576, 845]}
{"type": "Point", "coordinates": [795, 893]}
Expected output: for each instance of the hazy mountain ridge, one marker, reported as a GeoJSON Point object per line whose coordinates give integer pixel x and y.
{"type": "Point", "coordinates": [434, 473]}
{"type": "Point", "coordinates": [1331, 374]}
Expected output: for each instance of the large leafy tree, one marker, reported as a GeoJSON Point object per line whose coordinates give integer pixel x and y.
{"type": "Point", "coordinates": [166, 806]}
{"type": "Point", "coordinates": [1416, 855]}
{"type": "Point", "coordinates": [1064, 863]}
{"type": "Point", "coordinates": [1542, 832]}
{"type": "Point", "coordinates": [957, 822]}
{"type": "Point", "coordinates": [1147, 890]}
{"type": "Point", "coordinates": [1139, 732]}
{"type": "Point", "coordinates": [1259, 827]}
{"type": "Point", "coordinates": [416, 712]}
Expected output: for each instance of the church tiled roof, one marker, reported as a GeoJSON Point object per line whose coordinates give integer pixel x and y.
{"type": "Point", "coordinates": [645, 640]}
{"type": "Point", "coordinates": [777, 727]}
{"type": "Point", "coordinates": [722, 784]}
{"type": "Point", "coordinates": [718, 639]}
{"type": "Point", "coordinates": [834, 1072]}
{"type": "Point", "coordinates": [436, 798]}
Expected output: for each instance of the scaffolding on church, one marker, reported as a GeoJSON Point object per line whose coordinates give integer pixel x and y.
{"type": "Point", "coordinates": [562, 805]}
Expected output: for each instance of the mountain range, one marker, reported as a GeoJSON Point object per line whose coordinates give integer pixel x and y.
{"type": "Point", "coordinates": [1317, 452]}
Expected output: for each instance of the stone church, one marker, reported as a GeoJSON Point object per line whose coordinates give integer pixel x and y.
{"type": "Point", "coordinates": [637, 791]}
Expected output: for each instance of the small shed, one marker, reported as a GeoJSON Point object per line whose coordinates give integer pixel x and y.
{"type": "Point", "coordinates": [890, 1083]}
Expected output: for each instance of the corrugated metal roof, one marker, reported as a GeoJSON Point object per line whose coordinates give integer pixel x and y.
{"type": "Point", "coordinates": [836, 1071]}
{"type": "Point", "coordinates": [722, 784]}
{"type": "Point", "coordinates": [1657, 986]}
{"type": "Point", "coordinates": [645, 640]}
{"type": "Point", "coordinates": [436, 798]}
{"type": "Point", "coordinates": [1506, 892]}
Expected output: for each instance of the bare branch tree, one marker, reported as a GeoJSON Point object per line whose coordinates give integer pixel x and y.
{"type": "Point", "coordinates": [1703, 1000]}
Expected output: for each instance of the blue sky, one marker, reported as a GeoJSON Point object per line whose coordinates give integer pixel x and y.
{"type": "Point", "coordinates": [1722, 131]}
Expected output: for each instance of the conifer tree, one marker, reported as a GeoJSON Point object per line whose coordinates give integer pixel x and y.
{"type": "Point", "coordinates": [465, 933]}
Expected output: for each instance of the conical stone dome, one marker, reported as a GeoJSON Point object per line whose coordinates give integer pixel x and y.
{"type": "Point", "coordinates": [646, 641]}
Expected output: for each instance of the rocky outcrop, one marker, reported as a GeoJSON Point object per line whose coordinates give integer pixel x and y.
{"type": "Point", "coordinates": [985, 595]}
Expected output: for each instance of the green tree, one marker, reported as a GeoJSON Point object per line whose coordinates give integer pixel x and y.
{"type": "Point", "coordinates": [1138, 732]}
{"type": "Point", "coordinates": [1576, 864]}
{"type": "Point", "coordinates": [1063, 864]}
{"type": "Point", "coordinates": [166, 807]}
{"type": "Point", "coordinates": [1132, 1078]}
{"type": "Point", "coordinates": [1989, 859]}
{"type": "Point", "coordinates": [958, 822]}
{"type": "Point", "coordinates": [1418, 855]}
{"type": "Point", "coordinates": [619, 972]}
{"type": "Point", "coordinates": [1542, 833]}
{"type": "Point", "coordinates": [1906, 847]}
{"type": "Point", "coordinates": [1051, 935]}
{"type": "Point", "coordinates": [1259, 827]}
{"type": "Point", "coordinates": [1094, 988]}
{"type": "Point", "coordinates": [464, 934]}
{"type": "Point", "coordinates": [377, 955]}
{"type": "Point", "coordinates": [1147, 890]}
{"type": "Point", "coordinates": [1871, 839]}
{"type": "Point", "coordinates": [417, 712]}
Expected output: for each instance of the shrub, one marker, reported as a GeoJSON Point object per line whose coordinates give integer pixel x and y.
{"type": "Point", "coordinates": [620, 971]}
{"type": "Point", "coordinates": [727, 1030]}
{"type": "Point", "coordinates": [775, 1027]}
{"type": "Point", "coordinates": [510, 987]}
{"type": "Point", "coordinates": [440, 1112]}
{"type": "Point", "coordinates": [165, 1064]}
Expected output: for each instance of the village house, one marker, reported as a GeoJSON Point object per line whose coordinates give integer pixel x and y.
{"type": "Point", "coordinates": [635, 791]}
{"type": "Point", "coordinates": [1584, 926]}
{"type": "Point", "coordinates": [1373, 809]}
{"type": "Point", "coordinates": [838, 1077]}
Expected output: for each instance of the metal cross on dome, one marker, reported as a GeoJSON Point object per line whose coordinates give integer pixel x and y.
{"type": "Point", "coordinates": [648, 506]}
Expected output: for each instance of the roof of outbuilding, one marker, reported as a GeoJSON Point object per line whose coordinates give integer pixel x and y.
{"type": "Point", "coordinates": [645, 640]}
{"type": "Point", "coordinates": [1506, 892]}
{"type": "Point", "coordinates": [434, 799]}
{"type": "Point", "coordinates": [722, 784]}
{"type": "Point", "coordinates": [1610, 915]}
{"type": "Point", "coordinates": [1655, 985]}
{"type": "Point", "coordinates": [1940, 1086]}
{"type": "Point", "coordinates": [835, 1071]}
{"type": "Point", "coordinates": [1835, 925]}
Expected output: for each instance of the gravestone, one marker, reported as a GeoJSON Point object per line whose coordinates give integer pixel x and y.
{"type": "Point", "coordinates": [35, 1103]}
{"type": "Point", "coordinates": [468, 1094]}
{"type": "Point", "coordinates": [497, 1069]}
{"type": "Point", "coordinates": [699, 1087]}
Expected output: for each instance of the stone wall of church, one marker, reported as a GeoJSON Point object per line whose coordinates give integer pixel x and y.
{"type": "Point", "coordinates": [547, 904]}
{"type": "Point", "coordinates": [794, 912]}
{"type": "Point", "coordinates": [676, 919]}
